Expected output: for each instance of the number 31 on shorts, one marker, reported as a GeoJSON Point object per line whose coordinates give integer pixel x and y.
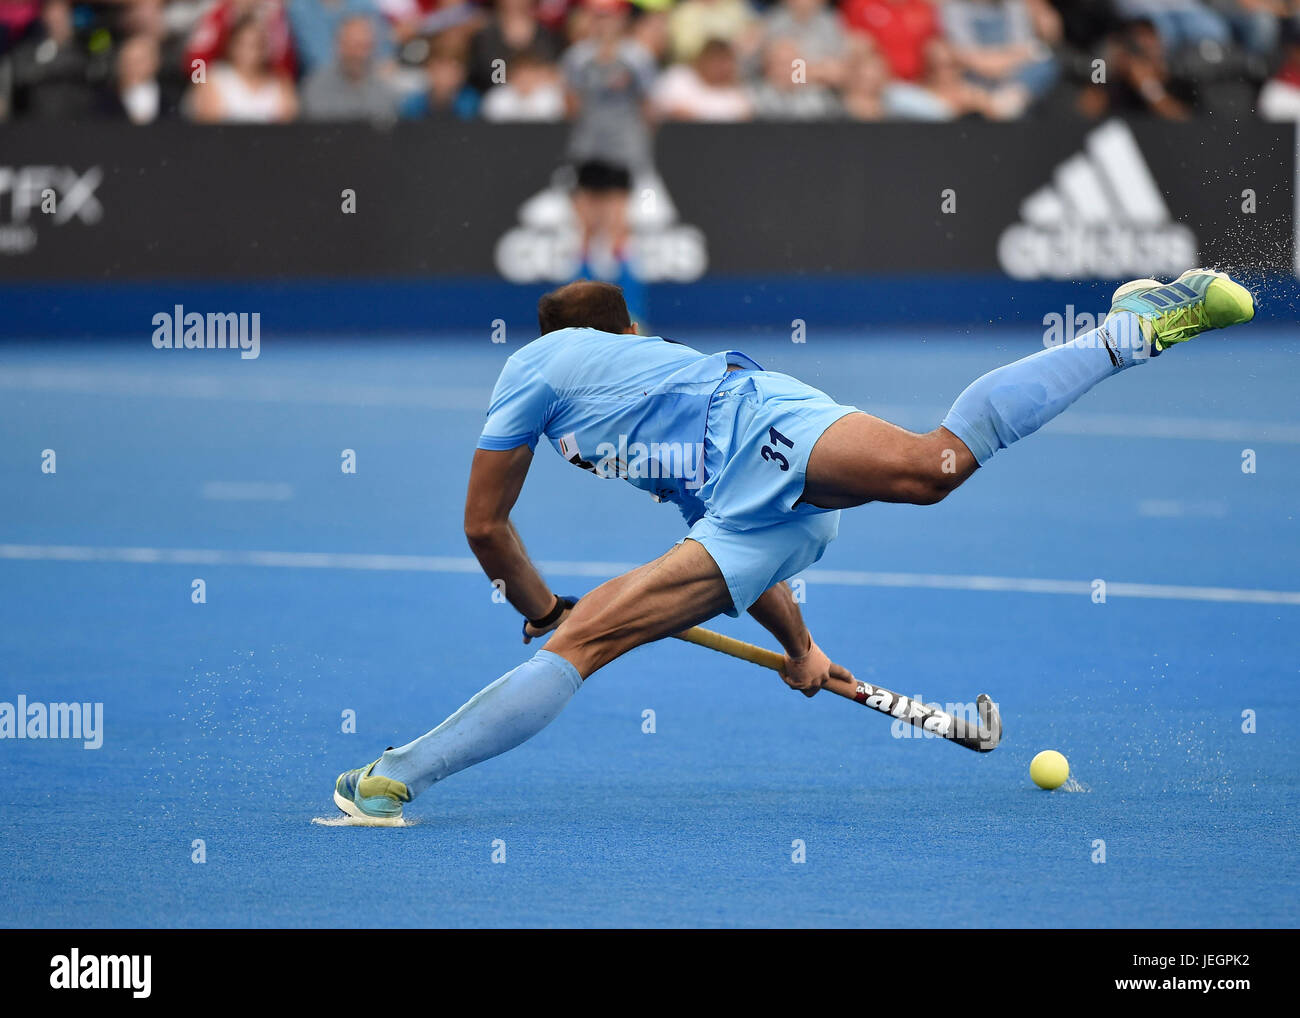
{"type": "Point", "coordinates": [771, 454]}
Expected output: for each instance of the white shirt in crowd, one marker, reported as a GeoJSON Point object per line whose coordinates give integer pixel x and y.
{"type": "Point", "coordinates": [243, 104]}
{"type": "Point", "coordinates": [1279, 101]}
{"type": "Point", "coordinates": [682, 93]}
{"type": "Point", "coordinates": [142, 102]}
{"type": "Point", "coordinates": [505, 103]}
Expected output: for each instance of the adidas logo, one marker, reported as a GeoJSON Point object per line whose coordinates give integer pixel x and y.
{"type": "Point", "coordinates": [1101, 217]}
{"type": "Point", "coordinates": [545, 246]}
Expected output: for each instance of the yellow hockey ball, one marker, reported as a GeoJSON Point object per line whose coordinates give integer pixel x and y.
{"type": "Point", "coordinates": [1049, 769]}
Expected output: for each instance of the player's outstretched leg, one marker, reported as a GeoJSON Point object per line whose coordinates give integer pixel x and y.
{"type": "Point", "coordinates": [861, 458]}
{"type": "Point", "coordinates": [676, 591]}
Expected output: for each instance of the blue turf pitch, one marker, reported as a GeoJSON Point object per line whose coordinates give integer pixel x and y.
{"type": "Point", "coordinates": [223, 720]}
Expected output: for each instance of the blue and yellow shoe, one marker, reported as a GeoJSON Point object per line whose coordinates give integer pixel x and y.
{"type": "Point", "coordinates": [369, 799]}
{"type": "Point", "coordinates": [1195, 302]}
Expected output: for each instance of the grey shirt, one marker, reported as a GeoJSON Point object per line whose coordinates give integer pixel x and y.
{"type": "Point", "coordinates": [971, 24]}
{"type": "Point", "coordinates": [610, 125]}
{"type": "Point", "coordinates": [803, 102]}
{"type": "Point", "coordinates": [328, 95]}
{"type": "Point", "coordinates": [821, 37]}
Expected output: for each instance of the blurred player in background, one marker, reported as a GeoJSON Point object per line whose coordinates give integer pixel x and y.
{"type": "Point", "coordinates": [609, 78]}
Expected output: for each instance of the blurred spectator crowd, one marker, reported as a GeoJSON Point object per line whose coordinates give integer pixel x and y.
{"type": "Point", "coordinates": [264, 61]}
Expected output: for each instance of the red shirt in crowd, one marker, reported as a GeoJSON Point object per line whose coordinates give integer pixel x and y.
{"type": "Point", "coordinates": [208, 41]}
{"type": "Point", "coordinates": [901, 29]}
{"type": "Point", "coordinates": [18, 14]}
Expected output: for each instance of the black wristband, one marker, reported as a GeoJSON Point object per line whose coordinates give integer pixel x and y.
{"type": "Point", "coordinates": [550, 616]}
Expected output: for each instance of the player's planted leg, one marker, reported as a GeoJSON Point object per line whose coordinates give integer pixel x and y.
{"type": "Point", "coordinates": [498, 718]}
{"type": "Point", "coordinates": [676, 591]}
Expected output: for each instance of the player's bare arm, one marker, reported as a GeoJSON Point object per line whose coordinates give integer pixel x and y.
{"type": "Point", "coordinates": [806, 667]}
{"type": "Point", "coordinates": [495, 480]}
{"type": "Point", "coordinates": [778, 612]}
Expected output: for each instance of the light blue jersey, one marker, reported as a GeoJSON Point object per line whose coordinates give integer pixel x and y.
{"type": "Point", "coordinates": [624, 406]}
{"type": "Point", "coordinates": [729, 448]}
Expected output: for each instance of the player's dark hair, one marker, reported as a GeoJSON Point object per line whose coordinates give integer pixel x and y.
{"type": "Point", "coordinates": [585, 304]}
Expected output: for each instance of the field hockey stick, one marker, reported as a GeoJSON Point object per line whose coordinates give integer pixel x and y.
{"type": "Point", "coordinates": [983, 737]}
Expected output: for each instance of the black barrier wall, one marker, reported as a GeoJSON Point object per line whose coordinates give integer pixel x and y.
{"type": "Point", "coordinates": [1054, 201]}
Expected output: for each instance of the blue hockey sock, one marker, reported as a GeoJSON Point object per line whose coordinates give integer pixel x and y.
{"type": "Point", "coordinates": [497, 718]}
{"type": "Point", "coordinates": [1016, 400]}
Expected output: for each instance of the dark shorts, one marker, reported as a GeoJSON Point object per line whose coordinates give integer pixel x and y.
{"type": "Point", "coordinates": [600, 176]}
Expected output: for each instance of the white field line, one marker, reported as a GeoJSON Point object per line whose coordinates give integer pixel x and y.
{"type": "Point", "coordinates": [97, 382]}
{"type": "Point", "coordinates": [601, 570]}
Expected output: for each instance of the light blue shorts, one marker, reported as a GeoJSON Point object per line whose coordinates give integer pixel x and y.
{"type": "Point", "coordinates": [761, 428]}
